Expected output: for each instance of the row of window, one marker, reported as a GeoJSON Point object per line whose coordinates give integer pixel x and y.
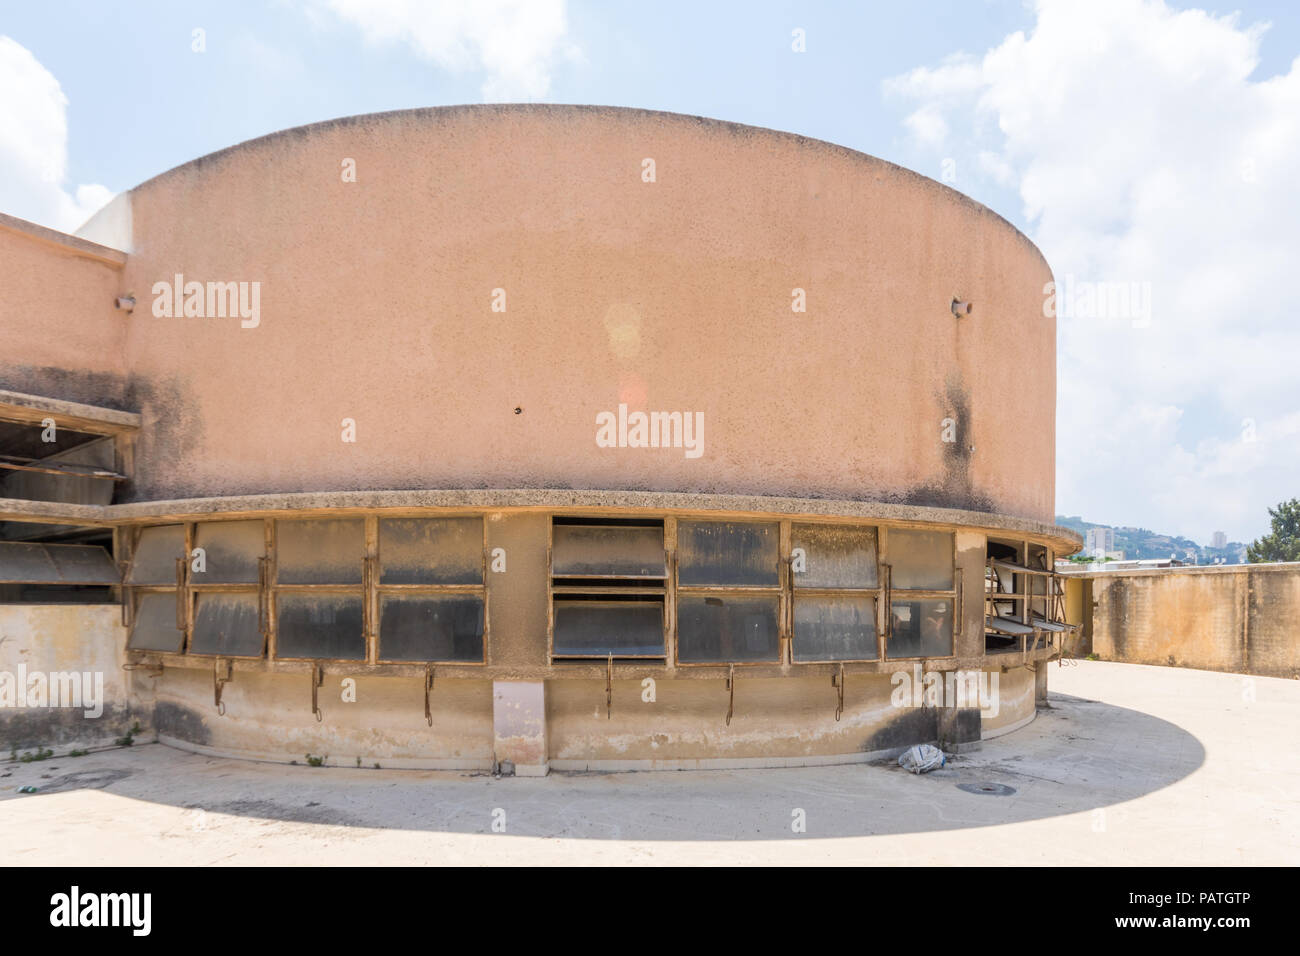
{"type": "Point", "coordinates": [305, 589]}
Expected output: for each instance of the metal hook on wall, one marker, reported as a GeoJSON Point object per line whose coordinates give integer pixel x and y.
{"type": "Point", "coordinates": [317, 678]}
{"type": "Point", "coordinates": [731, 692]}
{"type": "Point", "coordinates": [428, 689]}
{"type": "Point", "coordinates": [609, 688]}
{"type": "Point", "coordinates": [837, 681]}
{"type": "Point", "coordinates": [219, 683]}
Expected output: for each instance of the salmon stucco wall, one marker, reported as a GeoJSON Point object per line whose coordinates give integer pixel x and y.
{"type": "Point", "coordinates": [376, 304]}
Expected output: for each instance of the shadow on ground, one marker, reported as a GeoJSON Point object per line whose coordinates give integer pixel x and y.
{"type": "Point", "coordinates": [1078, 755]}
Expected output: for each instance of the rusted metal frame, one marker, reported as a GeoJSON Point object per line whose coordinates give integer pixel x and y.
{"type": "Point", "coordinates": [196, 590]}
{"type": "Point", "coordinates": [837, 681]}
{"type": "Point", "coordinates": [670, 593]}
{"type": "Point", "coordinates": [428, 690]}
{"type": "Point", "coordinates": [785, 581]}
{"type": "Point", "coordinates": [369, 578]}
{"type": "Point", "coordinates": [731, 693]}
{"type": "Point", "coordinates": [184, 601]}
{"type": "Point", "coordinates": [22, 463]}
{"type": "Point", "coordinates": [317, 679]}
{"type": "Point", "coordinates": [568, 589]}
{"type": "Point", "coordinates": [272, 570]}
{"type": "Point", "coordinates": [609, 687]}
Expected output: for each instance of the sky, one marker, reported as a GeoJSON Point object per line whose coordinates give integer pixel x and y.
{"type": "Point", "coordinates": [1150, 149]}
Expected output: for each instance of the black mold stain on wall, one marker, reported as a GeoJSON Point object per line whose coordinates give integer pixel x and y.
{"type": "Point", "coordinates": [181, 723]}
{"type": "Point", "coordinates": [61, 728]}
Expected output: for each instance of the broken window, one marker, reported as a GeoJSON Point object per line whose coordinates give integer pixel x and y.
{"type": "Point", "coordinates": [608, 581]}
{"type": "Point", "coordinates": [923, 594]}
{"type": "Point", "coordinates": [921, 628]}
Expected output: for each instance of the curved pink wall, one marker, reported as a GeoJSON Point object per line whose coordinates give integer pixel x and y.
{"type": "Point", "coordinates": [673, 295]}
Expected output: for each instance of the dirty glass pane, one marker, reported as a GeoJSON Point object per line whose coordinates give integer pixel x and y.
{"type": "Point", "coordinates": [226, 624]}
{"type": "Point", "coordinates": [326, 551]}
{"type": "Point", "coordinates": [607, 551]}
{"type": "Point", "coordinates": [725, 629]}
{"type": "Point", "coordinates": [601, 628]}
{"type": "Point", "coordinates": [231, 552]}
{"type": "Point", "coordinates": [320, 626]}
{"type": "Point", "coordinates": [155, 627]}
{"type": "Point", "coordinates": [834, 557]}
{"type": "Point", "coordinates": [727, 554]}
{"type": "Point", "coordinates": [922, 560]}
{"type": "Point", "coordinates": [921, 629]}
{"type": "Point", "coordinates": [23, 563]}
{"type": "Point", "coordinates": [155, 556]}
{"type": "Point", "coordinates": [835, 629]}
{"type": "Point", "coordinates": [431, 551]}
{"type": "Point", "coordinates": [430, 628]}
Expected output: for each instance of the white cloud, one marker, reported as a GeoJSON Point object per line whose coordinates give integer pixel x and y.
{"type": "Point", "coordinates": [34, 146]}
{"type": "Point", "coordinates": [1143, 151]}
{"type": "Point", "coordinates": [517, 43]}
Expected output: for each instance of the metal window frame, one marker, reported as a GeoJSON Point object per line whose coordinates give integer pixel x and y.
{"type": "Point", "coordinates": [954, 594]}
{"type": "Point", "coordinates": [796, 592]}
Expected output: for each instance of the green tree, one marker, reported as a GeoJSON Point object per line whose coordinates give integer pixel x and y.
{"type": "Point", "coordinates": [1284, 543]}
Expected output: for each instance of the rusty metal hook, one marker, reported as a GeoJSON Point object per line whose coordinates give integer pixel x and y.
{"type": "Point", "coordinates": [731, 691]}
{"type": "Point", "coordinates": [428, 689]}
{"type": "Point", "coordinates": [609, 688]}
{"type": "Point", "coordinates": [838, 684]}
{"type": "Point", "coordinates": [219, 683]}
{"type": "Point", "coordinates": [317, 678]}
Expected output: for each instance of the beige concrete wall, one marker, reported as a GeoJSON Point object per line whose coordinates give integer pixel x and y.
{"type": "Point", "coordinates": [1016, 705]}
{"type": "Point", "coordinates": [672, 295]}
{"type": "Point", "coordinates": [64, 638]}
{"type": "Point", "coordinates": [269, 717]}
{"type": "Point", "coordinates": [1242, 619]}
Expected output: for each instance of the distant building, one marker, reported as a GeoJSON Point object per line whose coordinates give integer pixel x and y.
{"type": "Point", "coordinates": [1099, 541]}
{"type": "Point", "coordinates": [1220, 540]}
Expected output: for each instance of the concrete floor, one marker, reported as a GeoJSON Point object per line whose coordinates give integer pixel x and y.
{"type": "Point", "coordinates": [1130, 765]}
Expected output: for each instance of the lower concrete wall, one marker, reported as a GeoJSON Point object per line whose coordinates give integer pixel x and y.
{"type": "Point", "coordinates": [62, 686]}
{"type": "Point", "coordinates": [1243, 619]}
{"type": "Point", "coordinates": [372, 720]}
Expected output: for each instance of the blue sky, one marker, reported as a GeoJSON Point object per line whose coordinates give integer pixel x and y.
{"type": "Point", "coordinates": [1154, 145]}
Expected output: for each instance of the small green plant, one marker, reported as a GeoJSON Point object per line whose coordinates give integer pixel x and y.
{"type": "Point", "coordinates": [358, 761]}
{"type": "Point", "coordinates": [78, 753]}
{"type": "Point", "coordinates": [13, 753]}
{"type": "Point", "coordinates": [41, 754]}
{"type": "Point", "coordinates": [315, 761]}
{"type": "Point", "coordinates": [129, 739]}
{"type": "Point", "coordinates": [376, 766]}
{"type": "Point", "coordinates": [1093, 657]}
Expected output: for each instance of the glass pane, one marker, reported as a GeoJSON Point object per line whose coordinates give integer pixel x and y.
{"type": "Point", "coordinates": [835, 629]}
{"type": "Point", "coordinates": [428, 628]}
{"type": "Point", "coordinates": [727, 554]}
{"type": "Point", "coordinates": [607, 551]}
{"type": "Point", "coordinates": [155, 627]}
{"type": "Point", "coordinates": [231, 551]}
{"type": "Point", "coordinates": [725, 629]}
{"type": "Point", "coordinates": [226, 624]}
{"type": "Point", "coordinates": [921, 629]}
{"type": "Point", "coordinates": [320, 626]}
{"type": "Point", "coordinates": [154, 561]}
{"type": "Point", "coordinates": [329, 551]}
{"type": "Point", "coordinates": [599, 628]}
{"type": "Point", "coordinates": [922, 560]}
{"type": "Point", "coordinates": [431, 551]}
{"type": "Point", "coordinates": [834, 557]}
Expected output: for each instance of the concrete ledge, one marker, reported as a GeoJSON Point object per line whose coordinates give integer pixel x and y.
{"type": "Point", "coordinates": [348, 761]}
{"type": "Point", "coordinates": [1009, 728]}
